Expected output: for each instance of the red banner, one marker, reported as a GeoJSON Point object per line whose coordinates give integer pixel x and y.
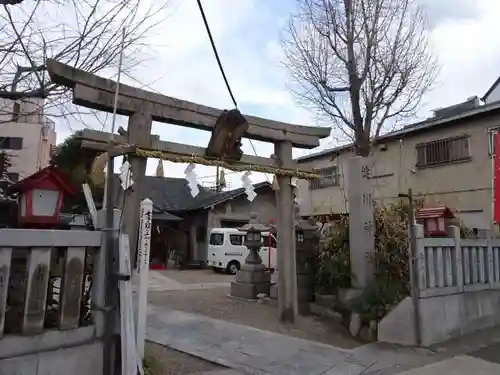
{"type": "Point", "coordinates": [496, 178]}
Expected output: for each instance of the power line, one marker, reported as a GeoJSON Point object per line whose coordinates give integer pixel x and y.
{"type": "Point", "coordinates": [215, 52]}
{"type": "Point", "coordinates": [214, 48]}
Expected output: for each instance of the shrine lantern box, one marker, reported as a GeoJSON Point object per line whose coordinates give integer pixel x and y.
{"type": "Point", "coordinates": [40, 197]}
{"type": "Point", "coordinates": [435, 220]}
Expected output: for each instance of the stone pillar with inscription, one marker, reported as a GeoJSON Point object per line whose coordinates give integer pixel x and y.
{"type": "Point", "coordinates": [361, 221]}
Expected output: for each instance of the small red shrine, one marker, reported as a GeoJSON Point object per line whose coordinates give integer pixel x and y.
{"type": "Point", "coordinates": [40, 197]}
{"type": "Point", "coordinates": [435, 220]}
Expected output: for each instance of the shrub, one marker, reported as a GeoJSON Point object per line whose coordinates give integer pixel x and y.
{"type": "Point", "coordinates": [333, 266]}
{"type": "Point", "coordinates": [391, 283]}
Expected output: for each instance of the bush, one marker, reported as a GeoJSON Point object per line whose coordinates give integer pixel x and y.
{"type": "Point", "coordinates": [391, 260]}
{"type": "Point", "coordinates": [392, 278]}
{"type": "Point", "coordinates": [333, 270]}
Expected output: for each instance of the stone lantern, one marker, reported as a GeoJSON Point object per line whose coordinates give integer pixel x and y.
{"type": "Point", "coordinates": [253, 278]}
{"type": "Point", "coordinates": [307, 238]}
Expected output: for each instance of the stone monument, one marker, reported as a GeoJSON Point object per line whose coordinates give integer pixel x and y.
{"type": "Point", "coordinates": [361, 221]}
{"type": "Point", "coordinates": [253, 278]}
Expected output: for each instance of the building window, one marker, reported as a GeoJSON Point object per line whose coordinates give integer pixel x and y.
{"type": "Point", "coordinates": [330, 177]}
{"type": "Point", "coordinates": [443, 151]}
{"type": "Point", "coordinates": [236, 239]}
{"type": "Point", "coordinates": [11, 143]}
{"type": "Point", "coordinates": [491, 139]}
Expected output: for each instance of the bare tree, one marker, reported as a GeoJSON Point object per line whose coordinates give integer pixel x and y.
{"type": "Point", "coordinates": [85, 34]}
{"type": "Point", "coordinates": [360, 63]}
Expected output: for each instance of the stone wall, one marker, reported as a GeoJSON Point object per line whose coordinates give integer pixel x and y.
{"type": "Point", "coordinates": [81, 360]}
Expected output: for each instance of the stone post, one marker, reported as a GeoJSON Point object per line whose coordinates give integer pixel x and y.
{"type": "Point", "coordinates": [361, 221]}
{"type": "Point", "coordinates": [253, 278]}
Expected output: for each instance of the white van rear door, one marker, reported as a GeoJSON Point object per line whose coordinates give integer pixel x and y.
{"type": "Point", "coordinates": [215, 247]}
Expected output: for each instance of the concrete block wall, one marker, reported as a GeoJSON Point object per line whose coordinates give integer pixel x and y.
{"type": "Point", "coordinates": [442, 318]}
{"type": "Point", "coordinates": [81, 360]}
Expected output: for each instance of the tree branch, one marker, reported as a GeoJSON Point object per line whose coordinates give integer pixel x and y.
{"type": "Point", "coordinates": [360, 63]}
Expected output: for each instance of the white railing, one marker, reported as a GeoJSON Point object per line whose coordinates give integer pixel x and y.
{"type": "Point", "coordinates": [456, 265]}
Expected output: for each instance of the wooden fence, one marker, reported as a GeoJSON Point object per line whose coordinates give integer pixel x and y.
{"type": "Point", "coordinates": [44, 287]}
{"type": "Point", "coordinates": [456, 265]}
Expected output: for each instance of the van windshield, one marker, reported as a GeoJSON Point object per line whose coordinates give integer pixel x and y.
{"type": "Point", "coordinates": [217, 239]}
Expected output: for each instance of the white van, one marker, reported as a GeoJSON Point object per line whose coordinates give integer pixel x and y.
{"type": "Point", "coordinates": [227, 252]}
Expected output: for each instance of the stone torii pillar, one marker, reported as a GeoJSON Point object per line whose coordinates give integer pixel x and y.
{"type": "Point", "coordinates": [138, 133]}
{"type": "Point", "coordinates": [287, 268]}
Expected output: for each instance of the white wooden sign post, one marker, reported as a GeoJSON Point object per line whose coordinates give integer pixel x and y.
{"type": "Point", "coordinates": [131, 364]}
{"type": "Point", "coordinates": [142, 271]}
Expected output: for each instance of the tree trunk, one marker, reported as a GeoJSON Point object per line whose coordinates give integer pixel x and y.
{"type": "Point", "coordinates": [362, 142]}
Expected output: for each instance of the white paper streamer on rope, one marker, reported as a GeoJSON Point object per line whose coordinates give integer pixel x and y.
{"type": "Point", "coordinates": [247, 184]}
{"type": "Point", "coordinates": [126, 175]}
{"type": "Point", "coordinates": [192, 179]}
{"type": "Point", "coordinates": [293, 182]}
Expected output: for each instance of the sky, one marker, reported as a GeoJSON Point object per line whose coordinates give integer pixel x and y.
{"type": "Point", "coordinates": [247, 34]}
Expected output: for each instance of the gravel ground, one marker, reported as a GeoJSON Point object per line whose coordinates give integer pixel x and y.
{"type": "Point", "coordinates": [216, 303]}
{"type": "Point", "coordinates": [166, 361]}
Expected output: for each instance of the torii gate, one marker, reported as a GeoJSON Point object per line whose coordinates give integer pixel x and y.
{"type": "Point", "coordinates": [143, 107]}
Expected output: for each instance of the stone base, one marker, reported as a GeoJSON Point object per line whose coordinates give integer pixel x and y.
{"type": "Point", "coordinates": [273, 293]}
{"type": "Point", "coordinates": [248, 291]}
{"type": "Point", "coordinates": [253, 274]}
{"type": "Point", "coordinates": [251, 280]}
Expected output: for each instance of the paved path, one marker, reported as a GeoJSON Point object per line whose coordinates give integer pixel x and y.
{"type": "Point", "coordinates": [460, 365]}
{"type": "Point", "coordinates": [248, 350]}
{"type": "Point", "coordinates": [253, 351]}
{"type": "Point", "coordinates": [160, 283]}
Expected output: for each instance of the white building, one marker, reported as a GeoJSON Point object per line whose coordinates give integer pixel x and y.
{"type": "Point", "coordinates": [27, 135]}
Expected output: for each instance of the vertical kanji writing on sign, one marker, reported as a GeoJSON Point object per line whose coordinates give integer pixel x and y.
{"type": "Point", "coordinates": [140, 252]}
{"type": "Point", "coordinates": [147, 234]}
{"type": "Point", "coordinates": [365, 172]}
{"type": "Point", "coordinates": [368, 225]}
{"type": "Point", "coordinates": [367, 199]}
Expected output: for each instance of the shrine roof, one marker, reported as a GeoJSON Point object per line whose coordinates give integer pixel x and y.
{"type": "Point", "coordinates": [172, 195]}
{"type": "Point", "coordinates": [50, 172]}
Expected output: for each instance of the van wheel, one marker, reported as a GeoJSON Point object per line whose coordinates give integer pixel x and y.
{"type": "Point", "coordinates": [233, 267]}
